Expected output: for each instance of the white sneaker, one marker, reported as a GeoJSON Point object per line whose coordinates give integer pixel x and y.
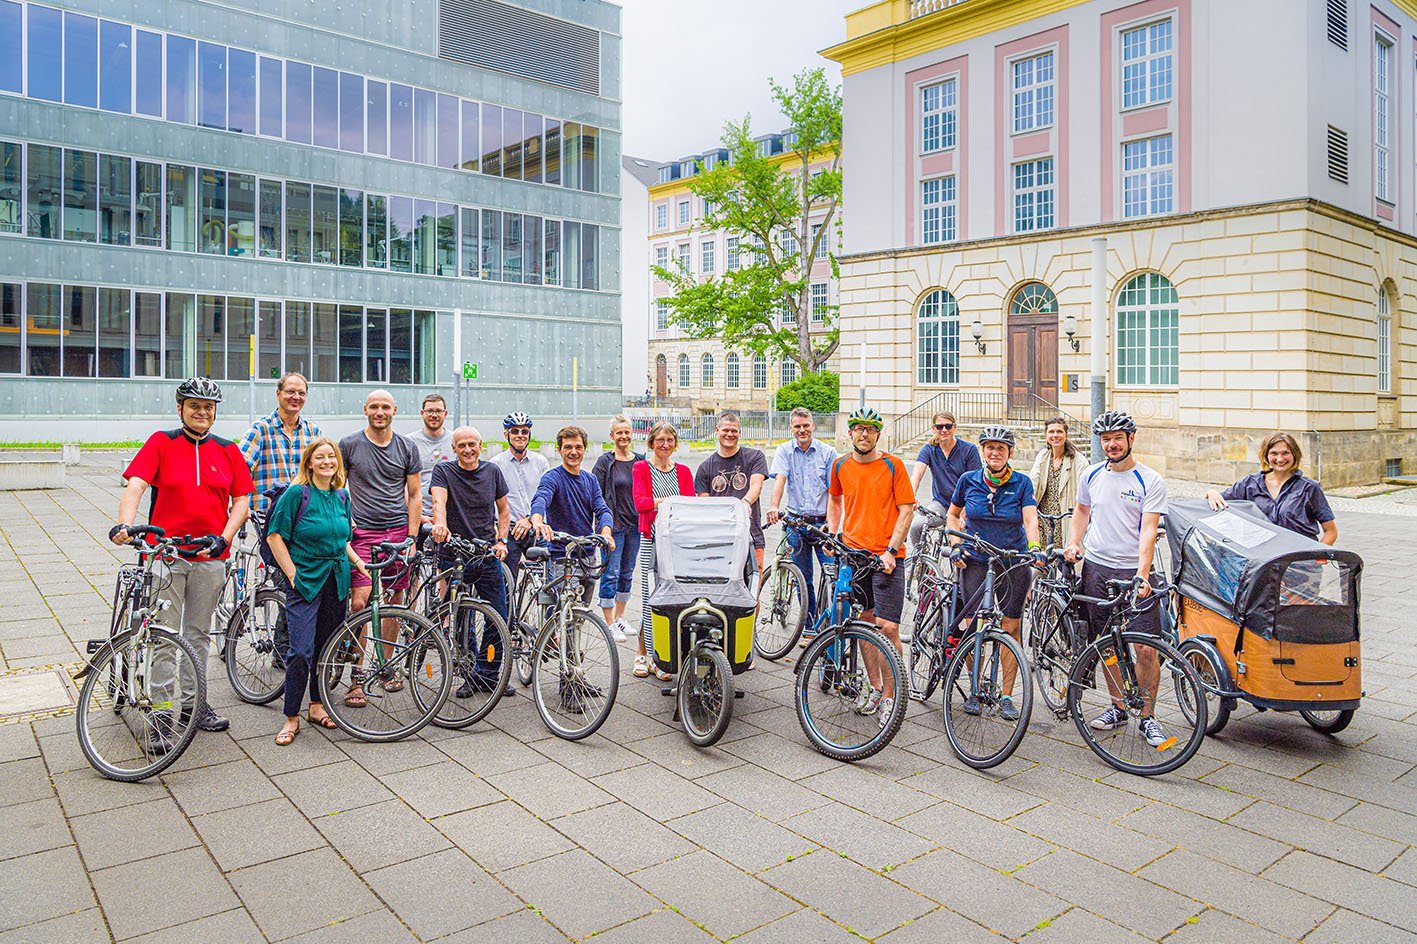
{"type": "Point", "coordinates": [618, 629]}
{"type": "Point", "coordinates": [883, 716]}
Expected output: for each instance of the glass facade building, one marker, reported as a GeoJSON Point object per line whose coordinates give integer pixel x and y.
{"type": "Point", "coordinates": [195, 190]}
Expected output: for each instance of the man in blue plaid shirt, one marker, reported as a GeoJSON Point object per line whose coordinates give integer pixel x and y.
{"type": "Point", "coordinates": [272, 446]}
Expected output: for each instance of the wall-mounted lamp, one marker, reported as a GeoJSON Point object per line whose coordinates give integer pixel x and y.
{"type": "Point", "coordinates": [1070, 328]}
{"type": "Point", "coordinates": [978, 329]}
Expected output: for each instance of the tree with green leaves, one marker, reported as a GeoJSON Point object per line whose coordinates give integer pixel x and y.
{"type": "Point", "coordinates": [769, 203]}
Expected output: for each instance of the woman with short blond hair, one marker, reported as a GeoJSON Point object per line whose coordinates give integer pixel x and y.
{"type": "Point", "coordinates": [1281, 492]}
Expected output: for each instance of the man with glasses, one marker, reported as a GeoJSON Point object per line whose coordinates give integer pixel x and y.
{"type": "Point", "coordinates": [273, 444]}
{"type": "Point", "coordinates": [946, 457]}
{"type": "Point", "coordinates": [523, 470]}
{"type": "Point", "coordinates": [800, 470]}
{"type": "Point", "coordinates": [434, 444]}
{"type": "Point", "coordinates": [735, 471]}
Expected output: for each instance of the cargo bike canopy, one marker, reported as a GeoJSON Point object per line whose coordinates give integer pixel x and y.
{"type": "Point", "coordinates": [1266, 579]}
{"type": "Point", "coordinates": [703, 549]}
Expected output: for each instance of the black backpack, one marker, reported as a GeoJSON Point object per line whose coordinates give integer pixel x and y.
{"type": "Point", "coordinates": [274, 493]}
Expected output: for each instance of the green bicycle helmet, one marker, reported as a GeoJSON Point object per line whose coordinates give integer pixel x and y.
{"type": "Point", "coordinates": [866, 416]}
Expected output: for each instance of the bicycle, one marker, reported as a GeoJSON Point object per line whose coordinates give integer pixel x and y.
{"type": "Point", "coordinates": [475, 632]}
{"type": "Point", "coordinates": [527, 614]}
{"type": "Point", "coordinates": [782, 604]}
{"type": "Point", "coordinates": [978, 687]}
{"type": "Point", "coordinates": [142, 687]}
{"type": "Point", "coordinates": [834, 687]}
{"type": "Point", "coordinates": [398, 676]}
{"type": "Point", "coordinates": [930, 646]}
{"type": "Point", "coordinates": [930, 556]}
{"type": "Point", "coordinates": [575, 666]}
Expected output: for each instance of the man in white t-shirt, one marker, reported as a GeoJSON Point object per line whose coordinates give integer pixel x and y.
{"type": "Point", "coordinates": [1119, 507]}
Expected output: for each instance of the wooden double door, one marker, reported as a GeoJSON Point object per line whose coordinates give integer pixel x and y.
{"type": "Point", "coordinates": [1032, 360]}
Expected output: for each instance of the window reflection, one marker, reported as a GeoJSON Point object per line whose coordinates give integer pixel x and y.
{"type": "Point", "coordinates": [326, 91]}
{"type": "Point", "coordinates": [240, 215]}
{"type": "Point", "coordinates": [11, 52]}
{"type": "Point", "coordinates": [324, 345]}
{"type": "Point", "coordinates": [551, 155]}
{"type": "Point", "coordinates": [80, 60]}
{"type": "Point", "coordinates": [115, 67]}
{"type": "Point", "coordinates": [148, 74]}
{"type": "Point", "coordinates": [324, 237]}
{"type": "Point", "coordinates": [272, 97]}
{"type": "Point", "coordinates": [12, 182]}
{"type": "Point", "coordinates": [531, 148]}
{"type": "Point", "coordinates": [181, 208]}
{"type": "Point", "coordinates": [351, 344]}
{"type": "Point", "coordinates": [400, 346]}
{"type": "Point", "coordinates": [11, 323]}
{"type": "Point", "coordinates": [377, 116]}
{"type": "Point", "coordinates": [531, 250]}
{"type": "Point", "coordinates": [211, 74]}
{"type": "Point", "coordinates": [211, 336]}
{"type": "Point", "coordinates": [81, 195]}
{"type": "Point", "coordinates": [268, 344]}
{"type": "Point", "coordinates": [45, 182]}
{"type": "Point", "coordinates": [147, 334]}
{"type": "Point", "coordinates": [401, 122]}
{"type": "Point", "coordinates": [511, 144]}
{"type": "Point", "coordinates": [351, 227]}
{"type": "Point", "coordinates": [297, 339]}
{"type": "Point", "coordinates": [400, 234]}
{"type": "Point", "coordinates": [448, 131]}
{"type": "Point", "coordinates": [115, 213]}
{"type": "Point", "coordinates": [46, 59]}
{"type": "Point", "coordinates": [240, 325]}
{"type": "Point", "coordinates": [297, 222]}
{"type": "Point", "coordinates": [181, 80]}
{"type": "Point", "coordinates": [571, 155]}
{"type": "Point", "coordinates": [80, 330]}
{"type": "Point", "coordinates": [43, 330]}
{"type": "Point", "coordinates": [492, 140]}
{"type": "Point", "coordinates": [470, 260]}
{"type": "Point", "coordinates": [425, 125]}
{"type": "Point", "coordinates": [447, 253]}
{"type": "Point", "coordinates": [424, 237]}
{"type": "Point", "coordinates": [241, 92]}
{"type": "Point", "coordinates": [470, 152]}
{"type": "Point", "coordinates": [376, 222]}
{"type": "Point", "coordinates": [375, 345]}
{"type": "Point", "coordinates": [511, 247]}
{"type": "Point", "coordinates": [179, 325]}
{"type": "Point", "coordinates": [297, 102]}
{"type": "Point", "coordinates": [492, 244]}
{"type": "Point", "coordinates": [351, 112]}
{"type": "Point", "coordinates": [270, 219]}
{"type": "Point", "coordinates": [147, 204]}
{"type": "Point", "coordinates": [212, 229]}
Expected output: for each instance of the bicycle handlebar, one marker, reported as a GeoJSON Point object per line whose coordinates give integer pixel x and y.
{"type": "Point", "coordinates": [466, 547]}
{"type": "Point", "coordinates": [989, 549]}
{"type": "Point", "coordinates": [390, 548]}
{"type": "Point", "coordinates": [837, 545]}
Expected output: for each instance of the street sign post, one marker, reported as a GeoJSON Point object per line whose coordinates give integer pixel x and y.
{"type": "Point", "coordinates": [469, 374]}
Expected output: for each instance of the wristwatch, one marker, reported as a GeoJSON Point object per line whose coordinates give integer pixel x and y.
{"type": "Point", "coordinates": [893, 551]}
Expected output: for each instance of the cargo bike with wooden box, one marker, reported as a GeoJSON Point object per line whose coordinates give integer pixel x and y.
{"type": "Point", "coordinates": [1266, 615]}
{"type": "Point", "coordinates": [701, 608]}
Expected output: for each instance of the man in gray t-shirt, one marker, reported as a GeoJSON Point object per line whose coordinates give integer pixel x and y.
{"type": "Point", "coordinates": [434, 444]}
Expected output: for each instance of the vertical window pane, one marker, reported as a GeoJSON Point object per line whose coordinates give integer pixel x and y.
{"type": "Point", "coordinates": [492, 140]}
{"type": "Point", "coordinates": [447, 131]}
{"type": "Point", "coordinates": [44, 328]}
{"type": "Point", "coordinates": [181, 208]}
{"type": "Point", "coordinates": [46, 60]}
{"type": "Point", "coordinates": [351, 344]}
{"type": "Point", "coordinates": [240, 325]}
{"type": "Point", "coordinates": [511, 247]}
{"type": "Point", "coordinates": [377, 116]}
{"type": "Point", "coordinates": [571, 155]}
{"type": "Point", "coordinates": [470, 152]}
{"type": "Point", "coordinates": [115, 203]}
{"type": "Point", "coordinates": [376, 223]}
{"type": "Point", "coordinates": [181, 80]}
{"type": "Point", "coordinates": [512, 123]}
{"type": "Point", "coordinates": [424, 237]}
{"type": "Point", "coordinates": [590, 159]}
{"type": "Point", "coordinates": [375, 345]}
{"type": "Point", "coordinates": [470, 258]}
{"type": "Point", "coordinates": [351, 227]}
{"type": "Point", "coordinates": [148, 69]}
{"type": "Point", "coordinates": [400, 346]}
{"type": "Point", "coordinates": [212, 234]}
{"type": "Point", "coordinates": [147, 334]}
{"type": "Point", "coordinates": [326, 128]}
{"type": "Point", "coordinates": [492, 244]}
{"type": "Point", "coordinates": [324, 231]}
{"type": "Point", "coordinates": [425, 325]}
{"type": "Point", "coordinates": [425, 125]}
{"type": "Point", "coordinates": [268, 327]}
{"type": "Point", "coordinates": [531, 251]}
{"type": "Point", "coordinates": [297, 339]}
{"type": "Point", "coordinates": [80, 60]}
{"type": "Point", "coordinates": [400, 234]}
{"type": "Point", "coordinates": [211, 71]}
{"type": "Point", "coordinates": [571, 254]}
{"type": "Point", "coordinates": [179, 325]}
{"type": "Point", "coordinates": [272, 97]}
{"type": "Point", "coordinates": [590, 256]}
{"type": "Point", "coordinates": [11, 322]}
{"type": "Point", "coordinates": [115, 75]}
{"type": "Point", "coordinates": [531, 149]}
{"type": "Point", "coordinates": [240, 215]}
{"type": "Point", "coordinates": [401, 122]}
{"type": "Point", "coordinates": [80, 328]}
{"type": "Point", "coordinates": [45, 180]}
{"type": "Point", "coordinates": [447, 258]}
{"type": "Point", "coordinates": [11, 54]}
{"type": "Point", "coordinates": [297, 222]}
{"type": "Point", "coordinates": [325, 345]}
{"type": "Point", "coordinates": [147, 205]}
{"type": "Point", "coordinates": [12, 182]}
{"type": "Point", "coordinates": [351, 112]}
{"type": "Point", "coordinates": [270, 219]}
{"type": "Point", "coordinates": [551, 155]}
{"type": "Point", "coordinates": [211, 336]}
{"type": "Point", "coordinates": [241, 92]}
{"type": "Point", "coordinates": [551, 271]}
{"type": "Point", "coordinates": [297, 102]}
{"type": "Point", "coordinates": [115, 326]}
{"type": "Point", "coordinates": [81, 195]}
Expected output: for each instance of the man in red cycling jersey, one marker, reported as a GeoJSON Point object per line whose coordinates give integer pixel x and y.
{"type": "Point", "coordinates": [201, 487]}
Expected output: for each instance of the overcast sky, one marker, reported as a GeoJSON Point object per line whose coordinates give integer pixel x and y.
{"type": "Point", "coordinates": [691, 64]}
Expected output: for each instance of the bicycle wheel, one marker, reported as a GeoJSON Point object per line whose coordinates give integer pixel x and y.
{"type": "Point", "coordinates": [1175, 697]}
{"type": "Point", "coordinates": [405, 680]}
{"type": "Point", "coordinates": [525, 625]}
{"type": "Point", "coordinates": [251, 658]}
{"type": "Point", "coordinates": [481, 660]}
{"type": "Point", "coordinates": [976, 724]}
{"type": "Point", "coordinates": [925, 648]}
{"type": "Point", "coordinates": [837, 703]}
{"type": "Point", "coordinates": [575, 674]}
{"type": "Point", "coordinates": [139, 704]}
{"type": "Point", "coordinates": [782, 609]}
{"type": "Point", "coordinates": [1217, 708]}
{"type": "Point", "coordinates": [1328, 722]}
{"type": "Point", "coordinates": [705, 693]}
{"type": "Point", "coordinates": [1052, 651]}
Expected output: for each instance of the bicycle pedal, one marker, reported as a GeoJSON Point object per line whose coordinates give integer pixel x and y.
{"type": "Point", "coordinates": [667, 690]}
{"type": "Point", "coordinates": [739, 694]}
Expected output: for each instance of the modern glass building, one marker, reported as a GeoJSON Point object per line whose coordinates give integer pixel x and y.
{"type": "Point", "coordinates": [377, 193]}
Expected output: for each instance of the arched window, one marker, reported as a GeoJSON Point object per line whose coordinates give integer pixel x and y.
{"type": "Point", "coordinates": [789, 371]}
{"type": "Point", "coordinates": [1034, 298]}
{"type": "Point", "coordinates": [732, 371]}
{"type": "Point", "coordinates": [760, 372]}
{"type": "Point", "coordinates": [937, 339]}
{"type": "Point", "coordinates": [1384, 341]}
{"type": "Point", "coordinates": [684, 379]}
{"type": "Point", "coordinates": [706, 371]}
{"type": "Point", "coordinates": [1148, 320]}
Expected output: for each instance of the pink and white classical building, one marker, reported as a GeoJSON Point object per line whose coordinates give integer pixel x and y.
{"type": "Point", "coordinates": [1251, 165]}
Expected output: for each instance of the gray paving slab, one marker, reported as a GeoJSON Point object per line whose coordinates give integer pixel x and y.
{"type": "Point", "coordinates": [875, 795]}
{"type": "Point", "coordinates": [1284, 792]}
{"type": "Point", "coordinates": [441, 893]}
{"type": "Point", "coordinates": [191, 887]}
{"type": "Point", "coordinates": [1348, 887]}
{"type": "Point", "coordinates": [1082, 927]}
{"type": "Point", "coordinates": [1098, 839]}
{"type": "Point", "coordinates": [1141, 906]}
{"type": "Point", "coordinates": [1212, 926]}
{"type": "Point", "coordinates": [657, 792]}
{"type": "Point", "coordinates": [762, 791]}
{"type": "Point", "coordinates": [603, 897]}
{"type": "Point", "coordinates": [550, 790]}
{"type": "Point", "coordinates": [1249, 897]}
{"type": "Point", "coordinates": [502, 836]}
{"type": "Point", "coordinates": [624, 838]}
{"type": "Point", "coordinates": [441, 788]}
{"type": "Point", "coordinates": [1347, 927]}
{"type": "Point", "coordinates": [132, 833]}
{"type": "Point", "coordinates": [41, 886]}
{"type": "Point", "coordinates": [331, 788]}
{"type": "Point", "coordinates": [657, 928]}
{"type": "Point", "coordinates": [229, 927]}
{"type": "Point", "coordinates": [17, 741]}
{"type": "Point", "coordinates": [741, 837]}
{"type": "Point", "coordinates": [869, 841]}
{"type": "Point", "coordinates": [792, 759]}
{"type": "Point", "coordinates": [802, 925]}
{"type": "Point", "coordinates": [260, 832]}
{"type": "Point", "coordinates": [222, 787]}
{"type": "Point", "coordinates": [79, 927]}
{"type": "Point", "coordinates": [718, 897]}
{"type": "Point", "coordinates": [381, 759]}
{"type": "Point", "coordinates": [302, 893]}
{"type": "Point", "coordinates": [995, 901]}
{"type": "Point", "coordinates": [590, 757]}
{"type": "Point", "coordinates": [381, 834]}
{"type": "Point", "coordinates": [997, 845]}
{"type": "Point", "coordinates": [1382, 821]}
{"type": "Point", "coordinates": [1215, 840]}
{"type": "Point", "coordinates": [1334, 840]}
{"type": "Point", "coordinates": [382, 926]}
{"type": "Point", "coordinates": [849, 894]}
{"type": "Point", "coordinates": [23, 781]}
{"type": "Point", "coordinates": [940, 925]}
{"type": "Point", "coordinates": [309, 750]}
{"type": "Point", "coordinates": [33, 827]}
{"type": "Point", "coordinates": [673, 751]}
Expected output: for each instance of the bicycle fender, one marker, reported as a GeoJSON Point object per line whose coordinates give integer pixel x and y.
{"type": "Point", "coordinates": [109, 644]}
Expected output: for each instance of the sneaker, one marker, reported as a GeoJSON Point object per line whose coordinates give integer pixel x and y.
{"type": "Point", "coordinates": [887, 706]}
{"type": "Point", "coordinates": [873, 703]}
{"type": "Point", "coordinates": [620, 630]}
{"type": "Point", "coordinates": [1154, 733]}
{"type": "Point", "coordinates": [159, 733]}
{"type": "Point", "coordinates": [1007, 709]}
{"type": "Point", "coordinates": [209, 720]}
{"type": "Point", "coordinates": [477, 685]}
{"type": "Point", "coordinates": [971, 706]}
{"type": "Point", "coordinates": [1110, 720]}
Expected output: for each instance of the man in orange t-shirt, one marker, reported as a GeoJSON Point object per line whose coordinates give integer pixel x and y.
{"type": "Point", "coordinates": [872, 502]}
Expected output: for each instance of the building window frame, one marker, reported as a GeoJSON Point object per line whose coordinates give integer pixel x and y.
{"type": "Point", "coordinates": [939, 210]}
{"type": "Point", "coordinates": [686, 379]}
{"type": "Point", "coordinates": [760, 372]}
{"type": "Point", "coordinates": [731, 371]}
{"type": "Point", "coordinates": [1384, 88]}
{"type": "Point", "coordinates": [661, 217]}
{"type": "Point", "coordinates": [1149, 176]}
{"type": "Point", "coordinates": [1035, 194]}
{"type": "Point", "coordinates": [819, 300]}
{"type": "Point", "coordinates": [1148, 58]}
{"type": "Point", "coordinates": [1033, 82]}
{"type": "Point", "coordinates": [706, 370]}
{"type": "Point", "coordinates": [661, 315]}
{"type": "Point", "coordinates": [1384, 341]}
{"type": "Point", "coordinates": [937, 339]}
{"type": "Point", "coordinates": [685, 214]}
{"type": "Point", "coordinates": [939, 115]}
{"type": "Point", "coordinates": [708, 251]}
{"type": "Point", "coordinates": [1147, 319]}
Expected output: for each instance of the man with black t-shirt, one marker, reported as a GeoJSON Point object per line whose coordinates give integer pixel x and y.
{"type": "Point", "coordinates": [735, 472]}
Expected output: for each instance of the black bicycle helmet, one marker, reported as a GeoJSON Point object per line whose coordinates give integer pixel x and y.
{"type": "Point", "coordinates": [1112, 421]}
{"type": "Point", "coordinates": [516, 418]}
{"type": "Point", "coordinates": [999, 434]}
{"type": "Point", "coordinates": [198, 388]}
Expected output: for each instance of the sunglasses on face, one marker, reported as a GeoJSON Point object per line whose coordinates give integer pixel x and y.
{"type": "Point", "coordinates": [518, 432]}
{"type": "Point", "coordinates": [944, 426]}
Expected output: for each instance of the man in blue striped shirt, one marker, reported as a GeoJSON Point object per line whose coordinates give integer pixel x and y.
{"type": "Point", "coordinates": [273, 444]}
{"type": "Point", "coordinates": [800, 469]}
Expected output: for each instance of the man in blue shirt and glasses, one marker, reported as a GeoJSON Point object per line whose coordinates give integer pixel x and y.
{"type": "Point", "coordinates": [800, 470]}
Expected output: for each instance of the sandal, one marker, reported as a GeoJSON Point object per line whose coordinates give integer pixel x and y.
{"type": "Point", "coordinates": [355, 697]}
{"type": "Point", "coordinates": [324, 721]}
{"type": "Point", "coordinates": [662, 675]}
{"type": "Point", "coordinates": [641, 669]}
{"type": "Point", "coordinates": [285, 737]}
{"type": "Point", "coordinates": [394, 684]}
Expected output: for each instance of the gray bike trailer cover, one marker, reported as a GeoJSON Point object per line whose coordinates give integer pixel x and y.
{"type": "Point", "coordinates": [702, 550]}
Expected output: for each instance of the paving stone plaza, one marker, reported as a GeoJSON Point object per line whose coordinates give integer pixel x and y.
{"type": "Point", "coordinates": [505, 833]}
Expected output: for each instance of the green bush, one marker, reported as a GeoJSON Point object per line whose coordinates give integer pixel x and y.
{"type": "Point", "coordinates": [819, 392]}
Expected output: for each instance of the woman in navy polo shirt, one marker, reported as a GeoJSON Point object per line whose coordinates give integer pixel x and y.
{"type": "Point", "coordinates": [996, 504]}
{"type": "Point", "coordinates": [1281, 491]}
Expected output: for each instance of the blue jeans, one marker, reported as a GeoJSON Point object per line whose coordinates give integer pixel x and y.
{"type": "Point", "coordinates": [485, 579]}
{"type": "Point", "coordinates": [803, 545]}
{"type": "Point", "coordinates": [618, 578]}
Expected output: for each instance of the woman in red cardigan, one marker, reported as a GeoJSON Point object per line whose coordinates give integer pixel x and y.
{"type": "Point", "coordinates": [655, 479]}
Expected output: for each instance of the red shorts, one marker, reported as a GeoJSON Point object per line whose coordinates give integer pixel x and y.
{"type": "Point", "coordinates": [396, 576]}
